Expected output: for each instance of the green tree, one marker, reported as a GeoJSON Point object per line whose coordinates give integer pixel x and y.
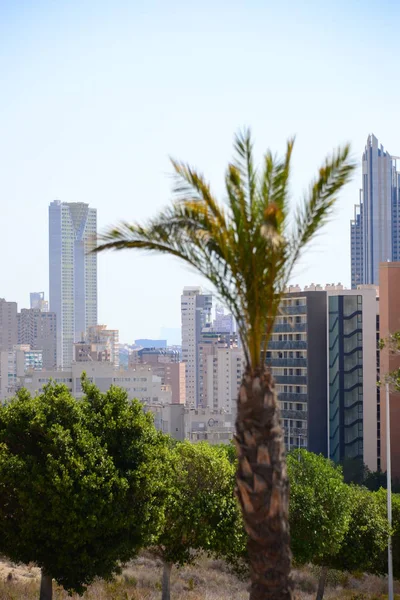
{"type": "Point", "coordinates": [363, 546]}
{"type": "Point", "coordinates": [247, 249]}
{"type": "Point", "coordinates": [382, 495]}
{"type": "Point", "coordinates": [66, 502]}
{"type": "Point", "coordinates": [319, 510]}
{"type": "Point", "coordinates": [201, 512]}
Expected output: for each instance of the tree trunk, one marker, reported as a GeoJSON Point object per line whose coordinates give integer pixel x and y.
{"type": "Point", "coordinates": [166, 581]}
{"type": "Point", "coordinates": [321, 583]}
{"type": "Point", "coordinates": [263, 487]}
{"type": "Point", "coordinates": [46, 586]}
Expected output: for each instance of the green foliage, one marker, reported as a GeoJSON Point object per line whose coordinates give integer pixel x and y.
{"type": "Point", "coordinates": [201, 512]}
{"type": "Point", "coordinates": [382, 495]}
{"type": "Point", "coordinates": [80, 484]}
{"type": "Point", "coordinates": [364, 544]}
{"type": "Point", "coordinates": [247, 247]}
{"type": "Point", "coordinates": [319, 507]}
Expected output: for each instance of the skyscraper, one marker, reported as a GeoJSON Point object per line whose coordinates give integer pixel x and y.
{"type": "Point", "coordinates": [196, 314]}
{"type": "Point", "coordinates": [72, 272]}
{"type": "Point", "coordinates": [375, 229]}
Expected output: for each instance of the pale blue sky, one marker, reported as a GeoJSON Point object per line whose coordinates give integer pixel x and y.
{"type": "Point", "coordinates": [95, 95]}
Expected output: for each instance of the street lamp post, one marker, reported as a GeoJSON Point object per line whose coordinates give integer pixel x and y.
{"type": "Point", "coordinates": [389, 494]}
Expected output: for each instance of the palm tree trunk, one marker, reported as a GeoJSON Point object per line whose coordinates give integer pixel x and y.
{"type": "Point", "coordinates": [46, 586]}
{"type": "Point", "coordinates": [321, 583]}
{"type": "Point", "coordinates": [166, 581]}
{"type": "Point", "coordinates": [263, 487]}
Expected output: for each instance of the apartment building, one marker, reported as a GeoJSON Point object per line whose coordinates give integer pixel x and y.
{"type": "Point", "coordinates": [38, 330]}
{"type": "Point", "coordinates": [297, 357]}
{"type": "Point", "coordinates": [8, 325]}
{"type": "Point", "coordinates": [195, 315]}
{"type": "Point", "coordinates": [195, 425]}
{"type": "Point", "coordinates": [322, 354]}
{"type": "Point", "coordinates": [139, 381]}
{"type": "Point", "coordinates": [166, 365]}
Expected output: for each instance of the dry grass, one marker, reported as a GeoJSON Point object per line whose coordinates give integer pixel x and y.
{"type": "Point", "coordinates": [207, 580]}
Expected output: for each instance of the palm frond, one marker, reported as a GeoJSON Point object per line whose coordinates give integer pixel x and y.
{"type": "Point", "coordinates": [243, 248]}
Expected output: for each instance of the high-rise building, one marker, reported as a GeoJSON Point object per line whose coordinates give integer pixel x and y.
{"type": "Point", "coordinates": [39, 330]}
{"type": "Point", "coordinates": [38, 301]}
{"type": "Point", "coordinates": [389, 309]}
{"type": "Point", "coordinates": [375, 229]}
{"type": "Point", "coordinates": [297, 355]}
{"type": "Point", "coordinates": [220, 363]}
{"type": "Point", "coordinates": [322, 355]}
{"type": "Point", "coordinates": [166, 365]}
{"type": "Point", "coordinates": [195, 314]}
{"type": "Point", "coordinates": [73, 273]}
{"type": "Point", "coordinates": [352, 389]}
{"type": "Point", "coordinates": [8, 325]}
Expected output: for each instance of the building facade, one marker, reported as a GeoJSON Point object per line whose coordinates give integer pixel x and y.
{"type": "Point", "coordinates": [352, 391]}
{"type": "Point", "coordinates": [322, 354]}
{"type": "Point", "coordinates": [139, 382]}
{"type": "Point", "coordinates": [166, 365]}
{"type": "Point", "coordinates": [72, 273]}
{"type": "Point", "coordinates": [8, 325]}
{"type": "Point", "coordinates": [39, 330]}
{"type": "Point", "coordinates": [389, 317]}
{"type": "Point", "coordinates": [297, 355]}
{"type": "Point", "coordinates": [196, 425]}
{"type": "Point", "coordinates": [195, 315]}
{"type": "Point", "coordinates": [375, 229]}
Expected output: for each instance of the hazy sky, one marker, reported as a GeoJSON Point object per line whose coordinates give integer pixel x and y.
{"type": "Point", "coordinates": [95, 95]}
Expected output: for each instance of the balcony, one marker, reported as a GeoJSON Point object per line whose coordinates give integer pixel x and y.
{"type": "Point", "coordinates": [286, 362]}
{"type": "Point", "coordinates": [287, 345]}
{"type": "Point", "coordinates": [293, 310]}
{"type": "Point", "coordinates": [300, 415]}
{"type": "Point", "coordinates": [289, 327]}
{"type": "Point", "coordinates": [290, 397]}
{"type": "Point", "coordinates": [291, 379]}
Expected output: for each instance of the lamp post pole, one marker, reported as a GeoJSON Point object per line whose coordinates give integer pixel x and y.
{"type": "Point", "coordinates": [389, 495]}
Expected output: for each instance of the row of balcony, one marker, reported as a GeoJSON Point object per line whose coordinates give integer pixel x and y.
{"type": "Point", "coordinates": [291, 397]}
{"type": "Point", "coordinates": [287, 345]}
{"type": "Point", "coordinates": [301, 309]}
{"type": "Point", "coordinates": [300, 415]}
{"type": "Point", "coordinates": [289, 327]}
{"type": "Point", "coordinates": [291, 379]}
{"type": "Point", "coordinates": [287, 362]}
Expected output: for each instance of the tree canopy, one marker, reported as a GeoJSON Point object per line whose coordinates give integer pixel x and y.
{"type": "Point", "coordinates": [80, 482]}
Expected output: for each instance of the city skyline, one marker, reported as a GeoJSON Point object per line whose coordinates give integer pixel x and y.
{"type": "Point", "coordinates": [102, 119]}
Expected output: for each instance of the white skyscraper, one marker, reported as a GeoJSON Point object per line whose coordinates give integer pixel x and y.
{"type": "Point", "coordinates": [72, 272]}
{"type": "Point", "coordinates": [196, 313]}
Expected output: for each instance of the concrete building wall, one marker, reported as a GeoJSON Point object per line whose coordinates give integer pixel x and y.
{"type": "Point", "coordinates": [389, 316]}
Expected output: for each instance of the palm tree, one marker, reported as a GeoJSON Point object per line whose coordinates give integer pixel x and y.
{"type": "Point", "coordinates": [247, 247]}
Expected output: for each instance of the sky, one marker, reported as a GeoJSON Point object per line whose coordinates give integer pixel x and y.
{"type": "Point", "coordinates": [95, 96]}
